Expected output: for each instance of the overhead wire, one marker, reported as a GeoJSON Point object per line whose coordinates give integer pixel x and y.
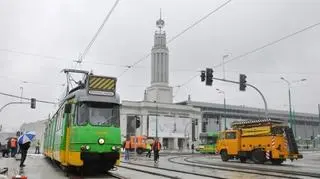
{"type": "Point", "coordinates": [82, 56]}
{"type": "Point", "coordinates": [48, 57]}
{"type": "Point", "coordinates": [178, 35]}
{"type": "Point", "coordinates": [269, 44]}
{"type": "Point", "coordinates": [260, 48]}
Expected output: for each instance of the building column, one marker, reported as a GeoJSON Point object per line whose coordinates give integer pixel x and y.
{"type": "Point", "coordinates": [175, 143]}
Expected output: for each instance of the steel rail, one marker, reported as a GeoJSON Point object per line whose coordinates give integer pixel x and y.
{"type": "Point", "coordinates": [244, 167]}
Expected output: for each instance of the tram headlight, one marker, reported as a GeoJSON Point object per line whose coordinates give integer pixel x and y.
{"type": "Point", "coordinates": [116, 148]}
{"type": "Point", "coordinates": [85, 147]}
{"type": "Point", "coordinates": [101, 141]}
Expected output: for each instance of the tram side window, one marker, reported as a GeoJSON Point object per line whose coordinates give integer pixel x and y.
{"type": "Point", "coordinates": [231, 135]}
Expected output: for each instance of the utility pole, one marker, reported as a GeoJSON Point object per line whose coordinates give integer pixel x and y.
{"type": "Point", "coordinates": [135, 137]}
{"type": "Point", "coordinates": [225, 112]}
{"type": "Point", "coordinates": [289, 90]}
{"type": "Point", "coordinates": [224, 71]}
{"type": "Point", "coordinates": [21, 88]}
{"type": "Point", "coordinates": [224, 107]}
{"type": "Point", "coordinates": [319, 120]}
{"type": "Point", "coordinates": [290, 110]}
{"type": "Point", "coordinates": [294, 123]}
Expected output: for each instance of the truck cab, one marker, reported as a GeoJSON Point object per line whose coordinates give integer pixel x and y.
{"type": "Point", "coordinates": [228, 144]}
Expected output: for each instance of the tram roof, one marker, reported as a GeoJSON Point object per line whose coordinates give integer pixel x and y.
{"type": "Point", "coordinates": [83, 95]}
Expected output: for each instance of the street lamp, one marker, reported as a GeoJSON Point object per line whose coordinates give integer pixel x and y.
{"type": "Point", "coordinates": [224, 106]}
{"type": "Point", "coordinates": [21, 88]}
{"type": "Point", "coordinates": [289, 91]}
{"type": "Point", "coordinates": [224, 72]}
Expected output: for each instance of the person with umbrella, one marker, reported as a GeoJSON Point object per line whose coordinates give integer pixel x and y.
{"type": "Point", "coordinates": [24, 144]}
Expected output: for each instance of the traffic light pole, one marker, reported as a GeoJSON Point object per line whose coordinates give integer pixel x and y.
{"type": "Point", "coordinates": [135, 138]}
{"type": "Point", "coordinates": [4, 106]}
{"type": "Point", "coordinates": [263, 98]}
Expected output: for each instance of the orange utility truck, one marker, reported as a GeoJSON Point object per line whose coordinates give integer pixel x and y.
{"type": "Point", "coordinates": [138, 142]}
{"type": "Point", "coordinates": [259, 141]}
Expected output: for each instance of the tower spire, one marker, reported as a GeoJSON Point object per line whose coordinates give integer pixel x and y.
{"type": "Point", "coordinates": [160, 22]}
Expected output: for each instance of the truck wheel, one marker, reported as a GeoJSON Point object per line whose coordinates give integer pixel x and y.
{"type": "Point", "coordinates": [139, 151]}
{"type": "Point", "coordinates": [224, 155]}
{"type": "Point", "coordinates": [258, 156]}
{"type": "Point", "coordinates": [276, 161]}
{"type": "Point", "coordinates": [243, 159]}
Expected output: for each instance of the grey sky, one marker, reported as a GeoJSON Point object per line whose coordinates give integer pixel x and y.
{"type": "Point", "coordinates": [64, 28]}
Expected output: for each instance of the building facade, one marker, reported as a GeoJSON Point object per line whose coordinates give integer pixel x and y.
{"type": "Point", "coordinates": [39, 128]}
{"type": "Point", "coordinates": [305, 125]}
{"type": "Point", "coordinates": [175, 125]}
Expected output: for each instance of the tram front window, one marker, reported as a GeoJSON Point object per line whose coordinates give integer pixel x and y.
{"type": "Point", "coordinates": [212, 140]}
{"type": "Point", "coordinates": [99, 114]}
{"type": "Point", "coordinates": [203, 140]}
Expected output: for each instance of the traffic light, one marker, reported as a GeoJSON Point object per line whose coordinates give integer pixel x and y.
{"type": "Point", "coordinates": [137, 122]}
{"type": "Point", "coordinates": [209, 76]}
{"type": "Point", "coordinates": [243, 82]}
{"type": "Point", "coordinates": [203, 76]}
{"type": "Point", "coordinates": [311, 137]}
{"type": "Point", "coordinates": [33, 103]}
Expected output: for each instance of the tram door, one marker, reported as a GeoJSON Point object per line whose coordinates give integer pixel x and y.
{"type": "Point", "coordinates": [66, 132]}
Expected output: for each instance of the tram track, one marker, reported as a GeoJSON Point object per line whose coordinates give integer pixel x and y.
{"type": "Point", "coordinates": [244, 169]}
{"type": "Point", "coordinates": [167, 169]}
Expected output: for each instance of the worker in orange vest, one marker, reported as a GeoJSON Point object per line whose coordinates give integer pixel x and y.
{"type": "Point", "coordinates": [126, 147]}
{"type": "Point", "coordinates": [156, 147]}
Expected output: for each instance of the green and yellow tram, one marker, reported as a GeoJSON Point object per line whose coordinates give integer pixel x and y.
{"type": "Point", "coordinates": [85, 130]}
{"type": "Point", "coordinates": [208, 143]}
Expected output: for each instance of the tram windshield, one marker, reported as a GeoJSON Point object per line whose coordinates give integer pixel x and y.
{"type": "Point", "coordinates": [208, 140]}
{"type": "Point", "coordinates": [99, 114]}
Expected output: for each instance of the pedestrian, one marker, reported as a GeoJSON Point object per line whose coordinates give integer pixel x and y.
{"type": "Point", "coordinates": [126, 147]}
{"type": "Point", "coordinates": [156, 147]}
{"type": "Point", "coordinates": [148, 150]}
{"type": "Point", "coordinates": [13, 146]}
{"type": "Point", "coordinates": [5, 150]}
{"type": "Point", "coordinates": [37, 148]}
{"type": "Point", "coordinates": [192, 148]}
{"type": "Point", "coordinates": [24, 150]}
{"type": "Point", "coordinates": [9, 147]}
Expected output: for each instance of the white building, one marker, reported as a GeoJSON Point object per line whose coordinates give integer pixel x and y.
{"type": "Point", "coordinates": [175, 127]}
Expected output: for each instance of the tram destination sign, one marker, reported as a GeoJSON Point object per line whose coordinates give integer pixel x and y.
{"type": "Point", "coordinates": [101, 85]}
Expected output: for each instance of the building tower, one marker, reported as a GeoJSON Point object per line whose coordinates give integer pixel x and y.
{"type": "Point", "coordinates": [159, 91]}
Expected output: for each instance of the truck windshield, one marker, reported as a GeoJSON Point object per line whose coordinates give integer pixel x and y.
{"type": "Point", "coordinates": [99, 114]}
